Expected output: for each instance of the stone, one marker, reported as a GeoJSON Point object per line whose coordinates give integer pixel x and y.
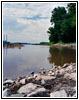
{"type": "Point", "coordinates": [6, 93]}
{"type": "Point", "coordinates": [45, 77]}
{"type": "Point", "coordinates": [8, 82]}
{"type": "Point", "coordinates": [69, 68]}
{"type": "Point", "coordinates": [35, 75]}
{"type": "Point", "coordinates": [15, 87]}
{"type": "Point", "coordinates": [42, 82]}
{"type": "Point", "coordinates": [70, 76]}
{"type": "Point", "coordinates": [39, 92]}
{"type": "Point", "coordinates": [73, 76]}
{"type": "Point", "coordinates": [41, 69]}
{"type": "Point", "coordinates": [67, 75]}
{"type": "Point", "coordinates": [65, 65]}
{"type": "Point", "coordinates": [70, 91]}
{"type": "Point", "coordinates": [28, 88]}
{"type": "Point", "coordinates": [60, 93]}
{"type": "Point", "coordinates": [17, 95]}
{"type": "Point", "coordinates": [23, 81]}
{"type": "Point", "coordinates": [61, 71]}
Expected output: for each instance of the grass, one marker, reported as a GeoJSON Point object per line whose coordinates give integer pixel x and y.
{"type": "Point", "coordinates": [60, 42]}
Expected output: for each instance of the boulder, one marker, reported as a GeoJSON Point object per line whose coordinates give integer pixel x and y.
{"type": "Point", "coordinates": [39, 92]}
{"type": "Point", "coordinates": [45, 77]}
{"type": "Point", "coordinates": [28, 88]}
{"type": "Point", "coordinates": [70, 76]}
{"type": "Point", "coordinates": [60, 93]}
{"type": "Point", "coordinates": [6, 93]}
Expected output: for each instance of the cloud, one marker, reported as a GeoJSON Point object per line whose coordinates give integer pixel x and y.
{"type": "Point", "coordinates": [27, 22]}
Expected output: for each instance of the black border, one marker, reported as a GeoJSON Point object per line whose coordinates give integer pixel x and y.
{"type": "Point", "coordinates": [76, 48]}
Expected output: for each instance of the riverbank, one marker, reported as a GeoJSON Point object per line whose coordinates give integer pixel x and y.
{"type": "Point", "coordinates": [59, 81]}
{"type": "Point", "coordinates": [68, 45]}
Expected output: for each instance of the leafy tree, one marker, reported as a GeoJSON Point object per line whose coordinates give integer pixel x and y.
{"type": "Point", "coordinates": [64, 28]}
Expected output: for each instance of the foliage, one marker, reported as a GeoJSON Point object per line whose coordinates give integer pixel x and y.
{"type": "Point", "coordinates": [63, 24]}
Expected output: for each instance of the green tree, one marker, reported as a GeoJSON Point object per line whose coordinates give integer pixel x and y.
{"type": "Point", "coordinates": [64, 24]}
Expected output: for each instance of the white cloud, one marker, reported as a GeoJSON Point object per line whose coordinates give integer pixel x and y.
{"type": "Point", "coordinates": [28, 30]}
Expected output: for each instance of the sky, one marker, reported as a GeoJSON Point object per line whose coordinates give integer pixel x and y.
{"type": "Point", "coordinates": [28, 21]}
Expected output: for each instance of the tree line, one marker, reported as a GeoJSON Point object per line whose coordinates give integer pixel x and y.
{"type": "Point", "coordinates": [63, 24]}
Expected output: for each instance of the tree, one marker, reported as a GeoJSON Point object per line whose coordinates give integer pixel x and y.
{"type": "Point", "coordinates": [64, 28]}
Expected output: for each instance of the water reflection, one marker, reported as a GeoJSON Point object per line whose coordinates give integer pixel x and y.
{"type": "Point", "coordinates": [59, 56]}
{"type": "Point", "coordinates": [21, 61]}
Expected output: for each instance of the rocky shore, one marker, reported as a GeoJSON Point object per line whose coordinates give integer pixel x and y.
{"type": "Point", "coordinates": [59, 81]}
{"type": "Point", "coordinates": [73, 45]}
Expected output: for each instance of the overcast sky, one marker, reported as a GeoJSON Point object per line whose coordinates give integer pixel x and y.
{"type": "Point", "coordinates": [28, 22]}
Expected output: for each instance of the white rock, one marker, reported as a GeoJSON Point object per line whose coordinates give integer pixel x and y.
{"type": "Point", "coordinates": [8, 82]}
{"type": "Point", "coordinates": [73, 76]}
{"type": "Point", "coordinates": [60, 93]}
{"type": "Point", "coordinates": [23, 81]}
{"type": "Point", "coordinates": [6, 93]}
{"type": "Point", "coordinates": [69, 68]}
{"type": "Point", "coordinates": [35, 75]}
{"type": "Point", "coordinates": [70, 76]}
{"type": "Point", "coordinates": [42, 81]}
{"type": "Point", "coordinates": [65, 65]}
{"type": "Point", "coordinates": [28, 88]}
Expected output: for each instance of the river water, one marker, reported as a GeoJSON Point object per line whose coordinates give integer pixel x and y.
{"type": "Point", "coordinates": [22, 61]}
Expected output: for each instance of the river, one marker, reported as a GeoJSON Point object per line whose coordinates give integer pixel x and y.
{"type": "Point", "coordinates": [22, 61]}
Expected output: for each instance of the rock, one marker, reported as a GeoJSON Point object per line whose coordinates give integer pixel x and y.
{"type": "Point", "coordinates": [39, 92]}
{"type": "Point", "coordinates": [6, 93]}
{"type": "Point", "coordinates": [47, 86]}
{"type": "Point", "coordinates": [42, 82]}
{"type": "Point", "coordinates": [45, 77]}
{"type": "Point", "coordinates": [17, 95]}
{"type": "Point", "coordinates": [61, 71]}
{"type": "Point", "coordinates": [15, 87]}
{"type": "Point", "coordinates": [35, 75]}
{"type": "Point", "coordinates": [60, 93]}
{"type": "Point", "coordinates": [69, 68]}
{"type": "Point", "coordinates": [32, 73]}
{"type": "Point", "coordinates": [41, 69]}
{"type": "Point", "coordinates": [23, 81]}
{"type": "Point", "coordinates": [8, 82]}
{"type": "Point", "coordinates": [70, 91]}
{"type": "Point", "coordinates": [70, 76]}
{"type": "Point", "coordinates": [38, 78]}
{"type": "Point", "coordinates": [51, 73]}
{"type": "Point", "coordinates": [73, 76]}
{"type": "Point", "coordinates": [65, 65]}
{"type": "Point", "coordinates": [28, 88]}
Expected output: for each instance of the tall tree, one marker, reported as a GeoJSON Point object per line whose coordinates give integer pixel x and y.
{"type": "Point", "coordinates": [64, 28]}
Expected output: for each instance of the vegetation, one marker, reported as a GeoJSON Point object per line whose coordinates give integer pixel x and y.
{"type": "Point", "coordinates": [63, 24]}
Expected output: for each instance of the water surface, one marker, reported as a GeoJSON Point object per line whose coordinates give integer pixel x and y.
{"type": "Point", "coordinates": [22, 61]}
